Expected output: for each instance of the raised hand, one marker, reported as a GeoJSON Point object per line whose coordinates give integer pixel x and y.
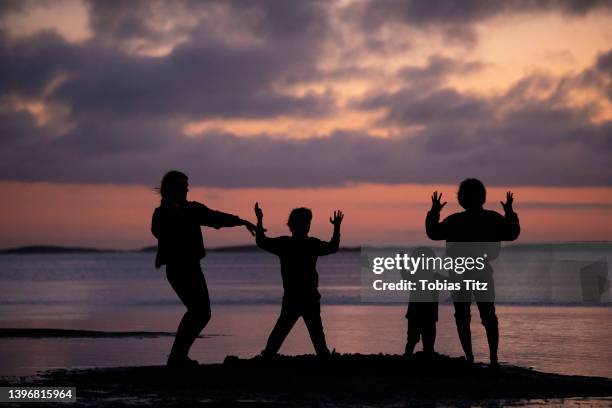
{"type": "Point", "coordinates": [436, 205]}
{"type": "Point", "coordinates": [508, 204]}
{"type": "Point", "coordinates": [258, 211]}
{"type": "Point", "coordinates": [337, 219]}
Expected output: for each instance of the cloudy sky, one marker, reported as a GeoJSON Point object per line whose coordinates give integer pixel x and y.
{"type": "Point", "coordinates": [361, 105]}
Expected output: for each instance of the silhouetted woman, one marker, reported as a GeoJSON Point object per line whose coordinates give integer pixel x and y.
{"type": "Point", "coordinates": [176, 225]}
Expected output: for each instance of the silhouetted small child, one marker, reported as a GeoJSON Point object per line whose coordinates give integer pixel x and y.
{"type": "Point", "coordinates": [422, 311]}
{"type": "Point", "coordinates": [298, 256]}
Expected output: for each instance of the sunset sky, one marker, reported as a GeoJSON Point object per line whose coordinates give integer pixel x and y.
{"type": "Point", "coordinates": [365, 106]}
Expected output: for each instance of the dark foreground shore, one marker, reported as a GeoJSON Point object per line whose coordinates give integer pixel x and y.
{"type": "Point", "coordinates": [343, 380]}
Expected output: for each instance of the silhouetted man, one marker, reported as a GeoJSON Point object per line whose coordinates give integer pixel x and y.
{"type": "Point", "coordinates": [176, 225]}
{"type": "Point", "coordinates": [298, 256]}
{"type": "Point", "coordinates": [474, 225]}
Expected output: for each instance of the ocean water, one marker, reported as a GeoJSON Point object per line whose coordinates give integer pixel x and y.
{"type": "Point", "coordinates": [124, 292]}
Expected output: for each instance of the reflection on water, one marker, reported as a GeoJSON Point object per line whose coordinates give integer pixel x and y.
{"type": "Point", "coordinates": [569, 340]}
{"type": "Point", "coordinates": [124, 292]}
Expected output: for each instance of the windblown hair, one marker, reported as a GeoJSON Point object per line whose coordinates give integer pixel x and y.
{"type": "Point", "coordinates": [169, 184]}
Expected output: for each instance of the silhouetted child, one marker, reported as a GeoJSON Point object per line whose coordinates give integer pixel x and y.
{"type": "Point", "coordinates": [477, 227]}
{"type": "Point", "coordinates": [298, 256]}
{"type": "Point", "coordinates": [422, 311]}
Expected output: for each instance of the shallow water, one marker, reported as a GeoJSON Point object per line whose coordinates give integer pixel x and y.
{"type": "Point", "coordinates": [122, 292]}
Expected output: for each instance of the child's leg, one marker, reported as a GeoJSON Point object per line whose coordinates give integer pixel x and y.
{"type": "Point", "coordinates": [428, 325]}
{"type": "Point", "coordinates": [312, 318]}
{"type": "Point", "coordinates": [490, 323]}
{"type": "Point", "coordinates": [462, 319]}
{"type": "Point", "coordinates": [428, 333]}
{"type": "Point", "coordinates": [288, 316]}
{"type": "Point", "coordinates": [486, 307]}
{"type": "Point", "coordinates": [413, 336]}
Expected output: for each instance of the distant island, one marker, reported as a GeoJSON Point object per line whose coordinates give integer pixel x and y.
{"type": "Point", "coordinates": [52, 249]}
{"type": "Point", "coordinates": [231, 248]}
{"type": "Point", "coordinates": [55, 249]}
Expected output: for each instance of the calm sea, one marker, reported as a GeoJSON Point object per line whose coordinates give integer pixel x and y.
{"type": "Point", "coordinates": [124, 292]}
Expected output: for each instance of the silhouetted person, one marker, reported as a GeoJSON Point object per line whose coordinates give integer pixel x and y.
{"type": "Point", "coordinates": [176, 225]}
{"type": "Point", "coordinates": [422, 311]}
{"type": "Point", "coordinates": [298, 256]}
{"type": "Point", "coordinates": [477, 225]}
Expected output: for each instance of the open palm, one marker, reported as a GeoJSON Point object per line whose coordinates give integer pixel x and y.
{"type": "Point", "coordinates": [509, 201]}
{"type": "Point", "coordinates": [337, 219]}
{"type": "Point", "coordinates": [436, 204]}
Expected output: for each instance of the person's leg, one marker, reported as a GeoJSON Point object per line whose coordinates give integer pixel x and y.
{"type": "Point", "coordinates": [312, 317]}
{"type": "Point", "coordinates": [462, 319]}
{"type": "Point", "coordinates": [288, 316]}
{"type": "Point", "coordinates": [412, 337]}
{"type": "Point", "coordinates": [189, 284]}
{"type": "Point", "coordinates": [428, 326]}
{"type": "Point", "coordinates": [486, 307]}
{"type": "Point", "coordinates": [491, 325]}
{"type": "Point", "coordinates": [413, 334]}
{"type": "Point", "coordinates": [428, 334]}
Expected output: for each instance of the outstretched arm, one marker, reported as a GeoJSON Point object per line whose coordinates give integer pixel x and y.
{"type": "Point", "coordinates": [218, 219]}
{"type": "Point", "coordinates": [265, 243]}
{"type": "Point", "coordinates": [333, 245]}
{"type": "Point", "coordinates": [434, 228]}
{"type": "Point", "coordinates": [511, 228]}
